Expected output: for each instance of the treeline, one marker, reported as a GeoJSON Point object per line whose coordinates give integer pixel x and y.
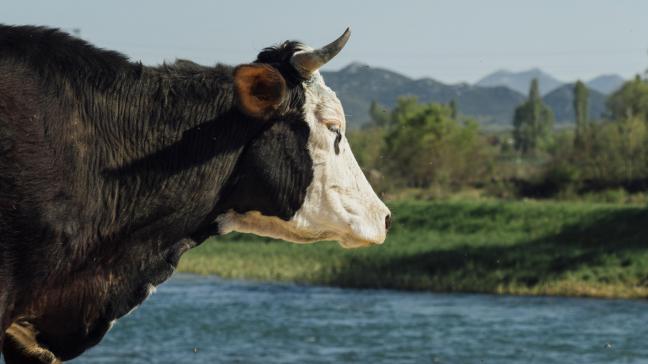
{"type": "Point", "coordinates": [434, 150]}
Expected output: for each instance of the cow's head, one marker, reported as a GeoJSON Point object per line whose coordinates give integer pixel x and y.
{"type": "Point", "coordinates": [298, 179]}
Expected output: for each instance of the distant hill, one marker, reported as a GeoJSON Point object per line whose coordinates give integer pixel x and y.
{"type": "Point", "coordinates": [606, 84]}
{"type": "Point", "coordinates": [357, 85]}
{"type": "Point", "coordinates": [561, 102]}
{"type": "Point", "coordinates": [520, 81]}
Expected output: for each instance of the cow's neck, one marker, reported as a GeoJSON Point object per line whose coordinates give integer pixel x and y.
{"type": "Point", "coordinates": [167, 144]}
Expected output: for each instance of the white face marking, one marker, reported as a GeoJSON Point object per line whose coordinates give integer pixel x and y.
{"type": "Point", "coordinates": [340, 204]}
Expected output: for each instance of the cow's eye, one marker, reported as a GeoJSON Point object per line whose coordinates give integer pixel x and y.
{"type": "Point", "coordinates": [338, 138]}
{"type": "Point", "coordinates": [333, 128]}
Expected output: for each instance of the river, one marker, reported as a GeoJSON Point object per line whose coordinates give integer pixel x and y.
{"type": "Point", "coordinates": [193, 319]}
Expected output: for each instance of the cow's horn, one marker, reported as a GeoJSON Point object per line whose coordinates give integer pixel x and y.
{"type": "Point", "coordinates": [307, 62]}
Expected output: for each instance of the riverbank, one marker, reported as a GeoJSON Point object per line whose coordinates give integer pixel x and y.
{"type": "Point", "coordinates": [521, 247]}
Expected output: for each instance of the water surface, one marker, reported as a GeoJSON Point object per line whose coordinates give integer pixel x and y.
{"type": "Point", "coordinates": [209, 320]}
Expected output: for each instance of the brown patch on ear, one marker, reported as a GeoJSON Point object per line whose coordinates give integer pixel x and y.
{"type": "Point", "coordinates": [260, 89]}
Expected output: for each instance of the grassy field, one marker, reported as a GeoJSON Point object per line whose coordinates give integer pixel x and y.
{"type": "Point", "coordinates": [523, 247]}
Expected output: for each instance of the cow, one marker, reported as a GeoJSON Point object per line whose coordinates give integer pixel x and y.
{"type": "Point", "coordinates": [110, 170]}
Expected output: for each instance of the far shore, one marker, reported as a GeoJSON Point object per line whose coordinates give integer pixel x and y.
{"type": "Point", "coordinates": [492, 246]}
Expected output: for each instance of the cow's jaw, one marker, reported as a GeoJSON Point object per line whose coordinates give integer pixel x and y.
{"type": "Point", "coordinates": [339, 203]}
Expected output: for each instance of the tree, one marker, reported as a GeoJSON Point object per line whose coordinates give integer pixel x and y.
{"type": "Point", "coordinates": [532, 122]}
{"type": "Point", "coordinates": [631, 100]}
{"type": "Point", "coordinates": [619, 152]}
{"type": "Point", "coordinates": [424, 145]}
{"type": "Point", "coordinates": [453, 109]}
{"type": "Point", "coordinates": [379, 113]}
{"type": "Point", "coordinates": [580, 110]}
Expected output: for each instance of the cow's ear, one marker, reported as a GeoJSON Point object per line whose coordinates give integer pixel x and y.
{"type": "Point", "coordinates": [260, 89]}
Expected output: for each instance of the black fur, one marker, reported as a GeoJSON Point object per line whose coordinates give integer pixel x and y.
{"type": "Point", "coordinates": [273, 173]}
{"type": "Point", "coordinates": [110, 170]}
{"type": "Point", "coordinates": [279, 57]}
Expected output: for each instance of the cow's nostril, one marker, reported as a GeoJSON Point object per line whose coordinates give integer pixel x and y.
{"type": "Point", "coordinates": [388, 222]}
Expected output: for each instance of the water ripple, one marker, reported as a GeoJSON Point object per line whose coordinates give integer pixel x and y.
{"type": "Point", "coordinates": [208, 320]}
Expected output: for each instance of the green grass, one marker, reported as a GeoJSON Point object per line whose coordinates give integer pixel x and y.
{"type": "Point", "coordinates": [523, 247]}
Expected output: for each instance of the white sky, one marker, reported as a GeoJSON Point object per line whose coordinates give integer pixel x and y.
{"type": "Point", "coordinates": [451, 41]}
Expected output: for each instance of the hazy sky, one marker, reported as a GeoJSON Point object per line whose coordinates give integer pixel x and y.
{"type": "Point", "coordinates": [447, 40]}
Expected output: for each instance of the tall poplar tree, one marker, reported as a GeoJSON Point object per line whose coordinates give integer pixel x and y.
{"type": "Point", "coordinates": [532, 122]}
{"type": "Point", "coordinates": [580, 110]}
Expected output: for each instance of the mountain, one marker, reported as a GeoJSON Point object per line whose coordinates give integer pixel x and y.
{"type": "Point", "coordinates": [520, 81]}
{"type": "Point", "coordinates": [605, 84]}
{"type": "Point", "coordinates": [561, 102]}
{"type": "Point", "coordinates": [358, 84]}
